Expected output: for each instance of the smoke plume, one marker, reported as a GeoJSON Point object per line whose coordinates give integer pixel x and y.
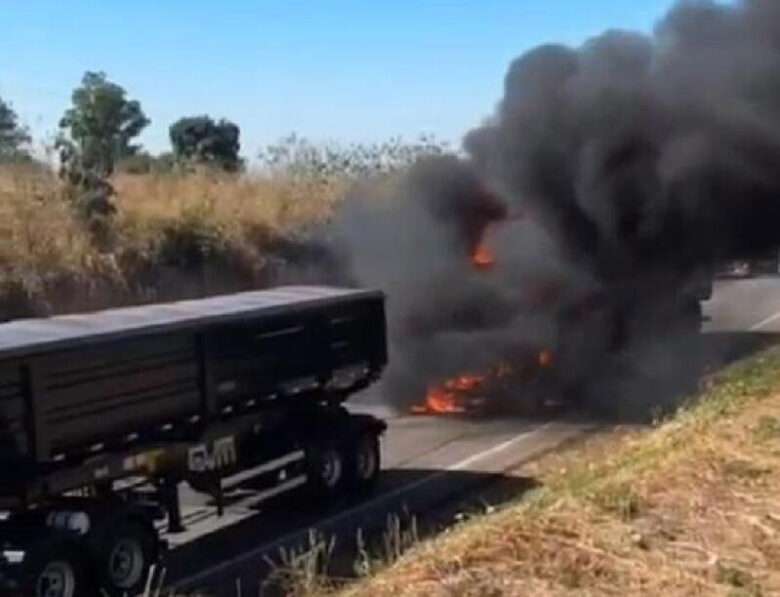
{"type": "Point", "coordinates": [608, 175]}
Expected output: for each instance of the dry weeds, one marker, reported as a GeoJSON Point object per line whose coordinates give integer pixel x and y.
{"type": "Point", "coordinates": [174, 236]}
{"type": "Point", "coordinates": [39, 229]}
{"type": "Point", "coordinates": [237, 205]}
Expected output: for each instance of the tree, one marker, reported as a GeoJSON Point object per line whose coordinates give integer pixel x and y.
{"type": "Point", "coordinates": [202, 140]}
{"type": "Point", "coordinates": [13, 137]}
{"type": "Point", "coordinates": [98, 129]}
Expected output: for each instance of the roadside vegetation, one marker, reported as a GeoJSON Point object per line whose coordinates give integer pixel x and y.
{"type": "Point", "coordinates": [686, 508]}
{"type": "Point", "coordinates": [102, 222]}
{"type": "Point", "coordinates": [168, 235]}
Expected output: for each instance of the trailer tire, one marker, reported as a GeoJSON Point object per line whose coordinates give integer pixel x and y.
{"type": "Point", "coordinates": [55, 571]}
{"type": "Point", "coordinates": [327, 466]}
{"type": "Point", "coordinates": [364, 463]}
{"type": "Point", "coordinates": [125, 558]}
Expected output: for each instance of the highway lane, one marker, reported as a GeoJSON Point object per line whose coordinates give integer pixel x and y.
{"type": "Point", "coordinates": [749, 305]}
{"type": "Point", "coordinates": [428, 462]}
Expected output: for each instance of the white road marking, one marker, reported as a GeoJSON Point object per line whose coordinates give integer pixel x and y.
{"type": "Point", "coordinates": [762, 324]}
{"type": "Point", "coordinates": [458, 466]}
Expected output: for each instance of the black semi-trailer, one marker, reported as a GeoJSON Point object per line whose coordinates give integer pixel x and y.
{"type": "Point", "coordinates": [103, 415]}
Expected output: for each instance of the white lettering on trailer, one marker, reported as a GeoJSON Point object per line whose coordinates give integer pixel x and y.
{"type": "Point", "coordinates": [224, 452]}
{"type": "Point", "coordinates": [222, 455]}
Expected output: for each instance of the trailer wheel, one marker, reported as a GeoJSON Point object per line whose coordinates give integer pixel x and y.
{"type": "Point", "coordinates": [364, 463]}
{"type": "Point", "coordinates": [55, 572]}
{"type": "Point", "coordinates": [326, 469]}
{"type": "Point", "coordinates": [127, 554]}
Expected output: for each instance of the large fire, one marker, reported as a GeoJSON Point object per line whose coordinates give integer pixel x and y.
{"type": "Point", "coordinates": [467, 392]}
{"type": "Point", "coordinates": [447, 398]}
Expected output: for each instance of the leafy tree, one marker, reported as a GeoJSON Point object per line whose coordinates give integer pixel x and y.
{"type": "Point", "coordinates": [202, 140]}
{"type": "Point", "coordinates": [13, 137]}
{"type": "Point", "coordinates": [99, 127]}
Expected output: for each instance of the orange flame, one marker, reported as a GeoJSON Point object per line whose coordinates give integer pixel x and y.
{"type": "Point", "coordinates": [464, 383]}
{"type": "Point", "coordinates": [444, 398]}
{"type": "Point", "coordinates": [546, 358]}
{"type": "Point", "coordinates": [483, 257]}
{"type": "Point", "coordinates": [456, 395]}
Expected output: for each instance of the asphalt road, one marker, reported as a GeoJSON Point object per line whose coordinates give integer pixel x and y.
{"type": "Point", "coordinates": [430, 462]}
{"type": "Point", "coordinates": [750, 305]}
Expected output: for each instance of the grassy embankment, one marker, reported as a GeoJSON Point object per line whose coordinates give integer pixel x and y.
{"type": "Point", "coordinates": [173, 236]}
{"type": "Point", "coordinates": [690, 507]}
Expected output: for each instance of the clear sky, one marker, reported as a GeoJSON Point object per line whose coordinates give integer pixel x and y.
{"type": "Point", "coordinates": [345, 70]}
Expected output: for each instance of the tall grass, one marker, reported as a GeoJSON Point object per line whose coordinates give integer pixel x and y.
{"type": "Point", "coordinates": [169, 231]}
{"type": "Point", "coordinates": [238, 206]}
{"type": "Point", "coordinates": [36, 227]}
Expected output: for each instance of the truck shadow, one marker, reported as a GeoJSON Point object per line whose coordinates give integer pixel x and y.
{"type": "Point", "coordinates": [408, 505]}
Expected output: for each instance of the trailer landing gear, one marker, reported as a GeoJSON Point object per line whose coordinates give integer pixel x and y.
{"type": "Point", "coordinates": [169, 493]}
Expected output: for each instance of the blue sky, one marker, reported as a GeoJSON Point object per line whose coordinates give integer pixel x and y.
{"type": "Point", "coordinates": [345, 70]}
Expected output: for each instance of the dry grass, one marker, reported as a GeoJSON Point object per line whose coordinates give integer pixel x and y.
{"type": "Point", "coordinates": [190, 224]}
{"type": "Point", "coordinates": [689, 508]}
{"type": "Point", "coordinates": [39, 229]}
{"type": "Point", "coordinates": [236, 205]}
{"type": "Point", "coordinates": [36, 227]}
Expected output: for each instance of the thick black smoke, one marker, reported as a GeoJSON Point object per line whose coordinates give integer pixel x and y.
{"type": "Point", "coordinates": [607, 176]}
{"type": "Point", "coordinates": [636, 150]}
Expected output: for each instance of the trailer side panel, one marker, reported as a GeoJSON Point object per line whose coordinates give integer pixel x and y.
{"type": "Point", "coordinates": [106, 392]}
{"type": "Point", "coordinates": [14, 436]}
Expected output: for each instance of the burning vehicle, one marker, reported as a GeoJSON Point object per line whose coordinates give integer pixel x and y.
{"type": "Point", "coordinates": [493, 391]}
{"type": "Point", "coordinates": [637, 162]}
{"type": "Point", "coordinates": [480, 330]}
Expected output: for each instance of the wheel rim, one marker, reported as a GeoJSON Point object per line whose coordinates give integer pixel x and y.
{"type": "Point", "coordinates": [366, 461]}
{"type": "Point", "coordinates": [331, 469]}
{"type": "Point", "coordinates": [58, 579]}
{"type": "Point", "coordinates": [126, 564]}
